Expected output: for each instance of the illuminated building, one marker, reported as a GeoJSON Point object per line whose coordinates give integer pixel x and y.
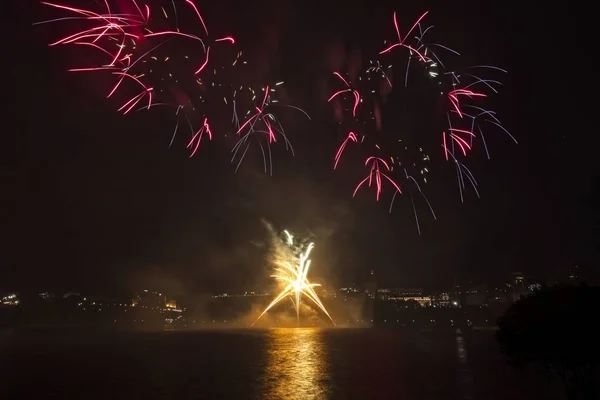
{"type": "Point", "coordinates": [404, 294]}
{"type": "Point", "coordinates": [245, 294]}
{"type": "Point", "coordinates": [407, 292]}
{"type": "Point", "coordinates": [398, 293]}
{"type": "Point", "coordinates": [535, 287]}
{"type": "Point", "coordinates": [424, 301]}
{"type": "Point", "coordinates": [574, 272]}
{"type": "Point", "coordinates": [371, 286]}
{"type": "Point", "coordinates": [518, 286]}
{"type": "Point", "coordinates": [456, 289]}
{"type": "Point", "coordinates": [171, 304]}
{"type": "Point", "coordinates": [443, 299]}
{"type": "Point", "coordinates": [350, 292]}
{"type": "Point", "coordinates": [10, 300]}
{"type": "Point", "coordinates": [518, 279]}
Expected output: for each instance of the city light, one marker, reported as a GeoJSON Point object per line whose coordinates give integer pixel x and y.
{"type": "Point", "coordinates": [10, 300]}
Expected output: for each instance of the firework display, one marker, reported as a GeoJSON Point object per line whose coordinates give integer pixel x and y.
{"type": "Point", "coordinates": [159, 56]}
{"type": "Point", "coordinates": [291, 271]}
{"type": "Point", "coordinates": [407, 106]}
{"type": "Point", "coordinates": [168, 56]}
{"type": "Point", "coordinates": [360, 101]}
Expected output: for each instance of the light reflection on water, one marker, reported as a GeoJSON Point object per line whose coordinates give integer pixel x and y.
{"type": "Point", "coordinates": [296, 365]}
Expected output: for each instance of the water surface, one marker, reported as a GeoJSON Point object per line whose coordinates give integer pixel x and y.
{"type": "Point", "coordinates": [264, 364]}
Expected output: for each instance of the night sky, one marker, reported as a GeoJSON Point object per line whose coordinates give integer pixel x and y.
{"type": "Point", "coordinates": [94, 200]}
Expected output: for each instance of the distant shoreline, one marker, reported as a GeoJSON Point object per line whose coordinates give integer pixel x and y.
{"type": "Point", "coordinates": [8, 333]}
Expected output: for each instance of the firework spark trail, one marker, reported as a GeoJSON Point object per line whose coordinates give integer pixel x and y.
{"type": "Point", "coordinates": [348, 89]}
{"type": "Point", "coordinates": [291, 270]}
{"type": "Point", "coordinates": [119, 28]}
{"type": "Point", "coordinates": [416, 184]}
{"type": "Point", "coordinates": [121, 38]}
{"type": "Point", "coordinates": [194, 143]}
{"type": "Point", "coordinates": [402, 42]}
{"type": "Point", "coordinates": [461, 91]}
{"type": "Point", "coordinates": [125, 40]}
{"type": "Point", "coordinates": [351, 137]}
{"type": "Point", "coordinates": [261, 122]}
{"type": "Point", "coordinates": [375, 175]}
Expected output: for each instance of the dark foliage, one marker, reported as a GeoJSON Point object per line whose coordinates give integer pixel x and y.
{"type": "Point", "coordinates": [557, 328]}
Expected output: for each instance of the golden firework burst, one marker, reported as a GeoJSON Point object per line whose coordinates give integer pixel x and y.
{"type": "Point", "coordinates": [292, 274]}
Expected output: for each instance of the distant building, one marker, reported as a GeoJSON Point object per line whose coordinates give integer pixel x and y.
{"type": "Point", "coordinates": [443, 300]}
{"type": "Point", "coordinates": [404, 294]}
{"type": "Point", "coordinates": [408, 292]}
{"type": "Point", "coordinates": [46, 295]}
{"type": "Point", "coordinates": [349, 290]}
{"type": "Point", "coordinates": [245, 294]}
{"type": "Point", "coordinates": [534, 287]}
{"type": "Point", "coordinates": [10, 300]}
{"type": "Point", "coordinates": [424, 301]}
{"type": "Point", "coordinates": [456, 289]}
{"type": "Point", "coordinates": [518, 279]}
{"type": "Point", "coordinates": [171, 304]}
{"type": "Point", "coordinates": [518, 286]}
{"type": "Point", "coordinates": [350, 293]}
{"type": "Point", "coordinates": [371, 286]}
{"type": "Point", "coordinates": [574, 273]}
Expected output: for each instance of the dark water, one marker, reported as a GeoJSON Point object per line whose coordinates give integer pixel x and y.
{"type": "Point", "coordinates": [275, 364]}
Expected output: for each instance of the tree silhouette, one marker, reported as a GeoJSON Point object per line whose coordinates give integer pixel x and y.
{"type": "Point", "coordinates": [557, 328]}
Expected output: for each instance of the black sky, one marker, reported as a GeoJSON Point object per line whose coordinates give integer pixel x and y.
{"type": "Point", "coordinates": [93, 199]}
